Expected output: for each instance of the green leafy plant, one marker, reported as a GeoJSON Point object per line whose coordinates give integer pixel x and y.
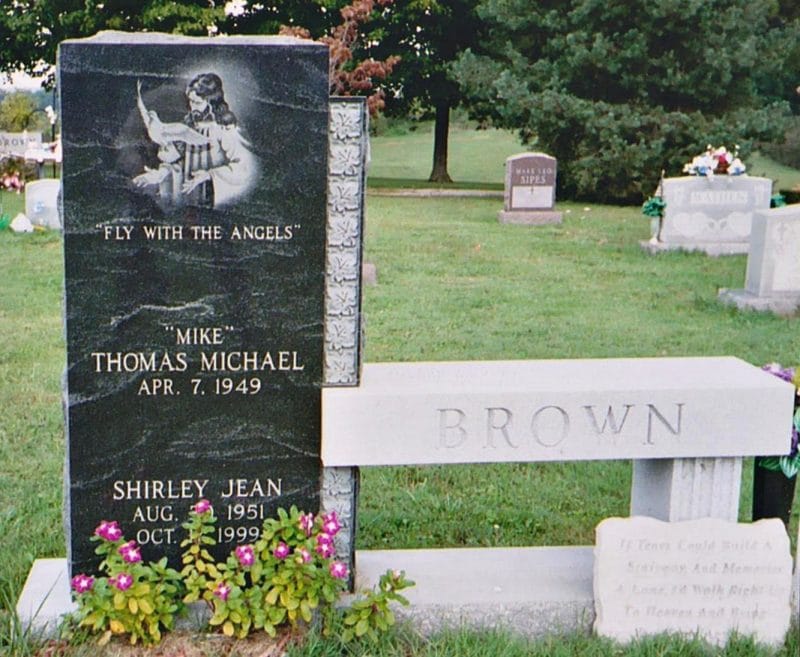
{"type": "Point", "coordinates": [288, 574]}
{"type": "Point", "coordinates": [133, 598]}
{"type": "Point", "coordinates": [777, 201]}
{"type": "Point", "coordinates": [372, 614]}
{"type": "Point", "coordinates": [199, 568]}
{"type": "Point", "coordinates": [281, 579]}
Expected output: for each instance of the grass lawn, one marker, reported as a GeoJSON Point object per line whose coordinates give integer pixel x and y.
{"type": "Point", "coordinates": [11, 204]}
{"type": "Point", "coordinates": [457, 285]}
{"type": "Point", "coordinates": [476, 158]}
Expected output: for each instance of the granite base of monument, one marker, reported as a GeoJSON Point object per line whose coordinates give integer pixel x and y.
{"type": "Point", "coordinates": [710, 249]}
{"type": "Point", "coordinates": [530, 591]}
{"type": "Point", "coordinates": [530, 217]}
{"type": "Point", "coordinates": [45, 597]}
{"type": "Point", "coordinates": [744, 300]}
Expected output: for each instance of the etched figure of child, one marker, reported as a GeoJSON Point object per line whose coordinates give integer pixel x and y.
{"type": "Point", "coordinates": [204, 161]}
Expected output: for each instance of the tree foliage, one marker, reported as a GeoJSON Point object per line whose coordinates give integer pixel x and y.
{"type": "Point", "coordinates": [18, 112]}
{"type": "Point", "coordinates": [618, 91]}
{"type": "Point", "coordinates": [30, 30]}
{"type": "Point", "coordinates": [347, 75]}
{"type": "Point", "coordinates": [429, 34]}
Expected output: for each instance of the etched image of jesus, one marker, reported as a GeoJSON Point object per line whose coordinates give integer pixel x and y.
{"type": "Point", "coordinates": [204, 161]}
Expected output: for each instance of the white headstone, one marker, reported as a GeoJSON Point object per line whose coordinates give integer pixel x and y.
{"type": "Point", "coordinates": [41, 203]}
{"type": "Point", "coordinates": [773, 266]}
{"type": "Point", "coordinates": [711, 214]}
{"type": "Point", "coordinates": [772, 281]}
{"type": "Point", "coordinates": [706, 577]}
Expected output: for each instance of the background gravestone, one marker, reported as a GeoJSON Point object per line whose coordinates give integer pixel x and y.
{"type": "Point", "coordinates": [41, 203]}
{"type": "Point", "coordinates": [530, 190]}
{"type": "Point", "coordinates": [709, 214]}
{"type": "Point", "coordinates": [772, 281]}
{"type": "Point", "coordinates": [194, 313]}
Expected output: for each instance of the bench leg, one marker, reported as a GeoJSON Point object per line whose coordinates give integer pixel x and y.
{"type": "Point", "coordinates": [685, 489]}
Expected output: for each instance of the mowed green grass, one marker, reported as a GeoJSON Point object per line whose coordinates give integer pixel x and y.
{"type": "Point", "coordinates": [476, 157]}
{"type": "Point", "coordinates": [31, 424]}
{"type": "Point", "coordinates": [454, 284]}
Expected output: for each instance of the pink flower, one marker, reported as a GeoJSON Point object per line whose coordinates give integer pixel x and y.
{"type": "Point", "coordinates": [324, 538]}
{"type": "Point", "coordinates": [307, 523]}
{"type": "Point", "coordinates": [281, 551]}
{"type": "Point", "coordinates": [130, 552]}
{"type": "Point", "coordinates": [121, 581]}
{"type": "Point", "coordinates": [325, 550]}
{"type": "Point", "coordinates": [303, 555]}
{"type": "Point", "coordinates": [82, 583]}
{"type": "Point", "coordinates": [331, 524]}
{"type": "Point", "coordinates": [339, 570]}
{"type": "Point", "coordinates": [202, 507]}
{"type": "Point", "coordinates": [222, 591]}
{"type": "Point", "coordinates": [245, 555]}
{"type": "Point", "coordinates": [109, 531]}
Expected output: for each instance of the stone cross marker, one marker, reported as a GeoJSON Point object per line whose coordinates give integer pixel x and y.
{"type": "Point", "coordinates": [195, 223]}
{"type": "Point", "coordinates": [530, 190]}
{"type": "Point", "coordinates": [702, 576]}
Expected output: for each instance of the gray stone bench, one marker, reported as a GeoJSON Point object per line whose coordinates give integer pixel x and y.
{"type": "Point", "coordinates": [685, 422]}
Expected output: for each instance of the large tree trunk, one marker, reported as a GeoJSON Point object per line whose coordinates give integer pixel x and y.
{"type": "Point", "coordinates": [440, 132]}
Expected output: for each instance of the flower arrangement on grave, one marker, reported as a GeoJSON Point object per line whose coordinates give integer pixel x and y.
{"type": "Point", "coordinates": [788, 464]}
{"type": "Point", "coordinates": [716, 161]}
{"type": "Point", "coordinates": [654, 208]}
{"type": "Point", "coordinates": [280, 580]}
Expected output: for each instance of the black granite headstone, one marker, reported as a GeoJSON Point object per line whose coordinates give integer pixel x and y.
{"type": "Point", "coordinates": [194, 194]}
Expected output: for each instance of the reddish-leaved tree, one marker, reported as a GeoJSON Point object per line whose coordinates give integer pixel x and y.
{"type": "Point", "coordinates": [347, 77]}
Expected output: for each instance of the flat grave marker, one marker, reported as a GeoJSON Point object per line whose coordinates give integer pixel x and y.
{"type": "Point", "coordinates": [706, 576]}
